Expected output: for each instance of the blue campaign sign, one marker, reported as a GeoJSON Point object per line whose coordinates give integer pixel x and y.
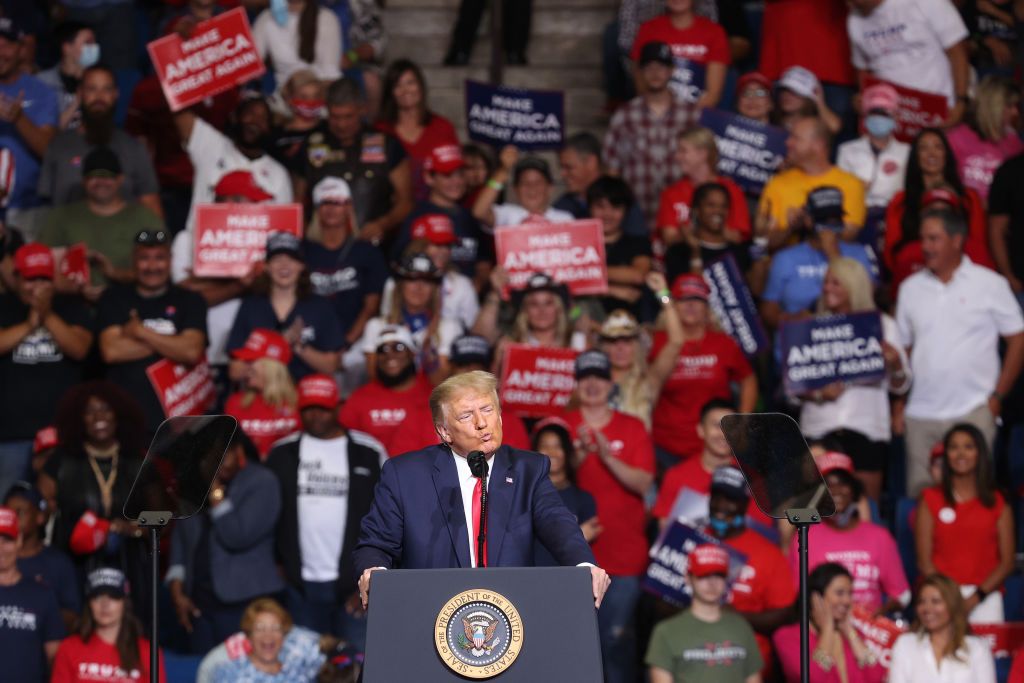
{"type": "Point", "coordinates": [666, 574]}
{"type": "Point", "coordinates": [734, 305]}
{"type": "Point", "coordinates": [749, 151]}
{"type": "Point", "coordinates": [838, 348]}
{"type": "Point", "coordinates": [688, 80]}
{"type": "Point", "coordinates": [529, 119]}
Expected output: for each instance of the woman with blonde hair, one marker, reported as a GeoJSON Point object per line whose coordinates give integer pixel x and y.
{"type": "Point", "coordinates": [855, 417]}
{"type": "Point", "coordinates": [265, 405]}
{"type": "Point", "coordinates": [989, 136]}
{"type": "Point", "coordinates": [638, 382]}
{"type": "Point", "coordinates": [697, 156]}
{"type": "Point", "coordinates": [266, 624]}
{"type": "Point", "coordinates": [939, 646]}
{"type": "Point", "coordinates": [305, 98]}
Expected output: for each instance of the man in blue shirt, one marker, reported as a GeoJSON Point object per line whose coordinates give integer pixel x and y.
{"type": "Point", "coordinates": [798, 272]}
{"type": "Point", "coordinates": [30, 625]}
{"type": "Point", "coordinates": [28, 118]}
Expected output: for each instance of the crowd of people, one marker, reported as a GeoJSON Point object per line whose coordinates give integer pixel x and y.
{"type": "Point", "coordinates": [326, 352]}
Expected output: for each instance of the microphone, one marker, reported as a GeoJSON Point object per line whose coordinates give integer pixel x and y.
{"type": "Point", "coordinates": [478, 466]}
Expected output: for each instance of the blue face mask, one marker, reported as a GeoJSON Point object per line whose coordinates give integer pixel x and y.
{"type": "Point", "coordinates": [842, 519]}
{"type": "Point", "coordinates": [279, 11]}
{"type": "Point", "coordinates": [89, 56]}
{"type": "Point", "coordinates": [721, 527]}
{"type": "Point", "coordinates": [879, 125]}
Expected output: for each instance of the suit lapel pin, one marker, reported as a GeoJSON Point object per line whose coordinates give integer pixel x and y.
{"type": "Point", "coordinates": [508, 480]}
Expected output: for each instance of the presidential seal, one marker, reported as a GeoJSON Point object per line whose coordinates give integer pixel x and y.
{"type": "Point", "coordinates": [478, 633]}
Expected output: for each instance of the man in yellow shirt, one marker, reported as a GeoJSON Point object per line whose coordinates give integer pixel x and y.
{"type": "Point", "coordinates": [780, 214]}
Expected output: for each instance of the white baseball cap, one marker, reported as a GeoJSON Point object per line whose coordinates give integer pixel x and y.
{"type": "Point", "coordinates": [332, 189]}
{"type": "Point", "coordinates": [801, 81]}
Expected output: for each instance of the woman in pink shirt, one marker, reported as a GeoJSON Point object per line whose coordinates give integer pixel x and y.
{"type": "Point", "coordinates": [838, 655]}
{"type": "Point", "coordinates": [989, 137]}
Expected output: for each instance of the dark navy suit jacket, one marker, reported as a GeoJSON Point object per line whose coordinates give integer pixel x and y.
{"type": "Point", "coordinates": [417, 520]}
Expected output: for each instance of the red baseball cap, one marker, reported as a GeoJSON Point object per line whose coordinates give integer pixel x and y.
{"type": "Point", "coordinates": [436, 228]}
{"type": "Point", "coordinates": [264, 343]}
{"type": "Point", "coordinates": [444, 159]}
{"type": "Point", "coordinates": [34, 261]}
{"type": "Point", "coordinates": [89, 534]}
{"type": "Point", "coordinates": [8, 523]}
{"type": "Point", "coordinates": [941, 194]}
{"type": "Point", "coordinates": [241, 183]}
{"type": "Point", "coordinates": [690, 286]}
{"type": "Point", "coordinates": [46, 438]}
{"type": "Point", "coordinates": [753, 78]}
{"type": "Point", "coordinates": [318, 390]}
{"type": "Point", "coordinates": [709, 559]}
{"type": "Point", "coordinates": [880, 96]}
{"type": "Point", "coordinates": [831, 461]}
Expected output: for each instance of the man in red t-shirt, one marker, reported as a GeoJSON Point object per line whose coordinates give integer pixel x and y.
{"type": "Point", "coordinates": [380, 407]}
{"type": "Point", "coordinates": [764, 592]}
{"type": "Point", "coordinates": [616, 467]}
{"type": "Point", "coordinates": [700, 48]}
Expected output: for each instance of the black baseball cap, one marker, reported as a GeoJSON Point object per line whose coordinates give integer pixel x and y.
{"type": "Point", "coordinates": [106, 581]}
{"type": "Point", "coordinates": [656, 51]}
{"type": "Point", "coordinates": [593, 363]}
{"type": "Point", "coordinates": [729, 481]}
{"type": "Point", "coordinates": [284, 243]}
{"type": "Point", "coordinates": [101, 162]}
{"type": "Point", "coordinates": [23, 489]}
{"type": "Point", "coordinates": [152, 238]}
{"type": "Point", "coordinates": [417, 266]}
{"type": "Point", "coordinates": [825, 206]}
{"type": "Point", "coordinates": [469, 349]}
{"type": "Point", "coordinates": [11, 30]}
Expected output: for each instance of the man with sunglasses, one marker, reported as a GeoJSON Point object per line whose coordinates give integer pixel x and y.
{"type": "Point", "coordinates": [148, 320]}
{"type": "Point", "coordinates": [380, 407]}
{"type": "Point", "coordinates": [44, 337]}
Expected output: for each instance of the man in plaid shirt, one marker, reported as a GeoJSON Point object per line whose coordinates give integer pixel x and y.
{"type": "Point", "coordinates": [641, 139]}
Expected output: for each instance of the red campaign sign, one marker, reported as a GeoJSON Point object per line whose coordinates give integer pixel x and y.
{"type": "Point", "coordinates": [182, 390]}
{"type": "Point", "coordinates": [572, 253]}
{"type": "Point", "coordinates": [75, 264]}
{"type": "Point", "coordinates": [1004, 639]}
{"type": "Point", "coordinates": [879, 633]}
{"type": "Point", "coordinates": [536, 381]}
{"type": "Point", "coordinates": [218, 55]}
{"type": "Point", "coordinates": [229, 238]}
{"type": "Point", "coordinates": [917, 109]}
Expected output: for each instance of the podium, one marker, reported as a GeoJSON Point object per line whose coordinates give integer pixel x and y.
{"type": "Point", "coordinates": [513, 625]}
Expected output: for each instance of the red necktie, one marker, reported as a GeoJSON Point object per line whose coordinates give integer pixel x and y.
{"type": "Point", "coordinates": [477, 492]}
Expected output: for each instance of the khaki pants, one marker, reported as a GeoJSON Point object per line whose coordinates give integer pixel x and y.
{"type": "Point", "coordinates": [922, 435]}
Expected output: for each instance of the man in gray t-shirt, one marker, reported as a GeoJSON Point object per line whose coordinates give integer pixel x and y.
{"type": "Point", "coordinates": [60, 179]}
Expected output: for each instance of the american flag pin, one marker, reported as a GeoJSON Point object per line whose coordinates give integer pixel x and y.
{"type": "Point", "coordinates": [508, 480]}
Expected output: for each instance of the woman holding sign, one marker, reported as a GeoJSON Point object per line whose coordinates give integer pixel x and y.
{"type": "Point", "coordinates": [856, 416]}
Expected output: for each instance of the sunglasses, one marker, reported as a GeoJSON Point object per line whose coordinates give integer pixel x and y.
{"type": "Point", "coordinates": [755, 92]}
{"type": "Point", "coordinates": [395, 347]}
{"type": "Point", "coordinates": [152, 238]}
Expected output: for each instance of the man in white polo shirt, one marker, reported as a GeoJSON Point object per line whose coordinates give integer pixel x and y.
{"type": "Point", "coordinates": [951, 315]}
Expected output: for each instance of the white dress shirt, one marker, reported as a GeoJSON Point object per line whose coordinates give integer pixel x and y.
{"type": "Point", "coordinates": [913, 661]}
{"type": "Point", "coordinates": [953, 329]}
{"type": "Point", "coordinates": [467, 482]}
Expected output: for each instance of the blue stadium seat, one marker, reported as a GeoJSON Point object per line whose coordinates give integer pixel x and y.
{"type": "Point", "coordinates": [1013, 597]}
{"type": "Point", "coordinates": [905, 536]}
{"type": "Point", "coordinates": [181, 668]}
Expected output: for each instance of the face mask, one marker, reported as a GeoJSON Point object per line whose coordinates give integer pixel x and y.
{"type": "Point", "coordinates": [279, 11]}
{"type": "Point", "coordinates": [721, 527]}
{"type": "Point", "coordinates": [843, 519]}
{"type": "Point", "coordinates": [879, 125]}
{"type": "Point", "coordinates": [89, 56]}
{"type": "Point", "coordinates": [308, 109]}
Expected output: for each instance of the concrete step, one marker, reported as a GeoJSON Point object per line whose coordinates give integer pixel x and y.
{"type": "Point", "coordinates": [571, 51]}
{"type": "Point", "coordinates": [453, 5]}
{"type": "Point", "coordinates": [419, 22]}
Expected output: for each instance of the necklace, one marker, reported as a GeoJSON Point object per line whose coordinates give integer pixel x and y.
{"type": "Point", "coordinates": [106, 483]}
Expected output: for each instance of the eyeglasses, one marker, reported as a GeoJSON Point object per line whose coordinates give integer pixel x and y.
{"type": "Point", "coordinates": [615, 340]}
{"type": "Point", "coordinates": [396, 347]}
{"type": "Point", "coordinates": [152, 238]}
{"type": "Point", "coordinates": [754, 92]}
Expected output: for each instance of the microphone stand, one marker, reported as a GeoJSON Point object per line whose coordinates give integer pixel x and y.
{"type": "Point", "coordinates": [478, 466]}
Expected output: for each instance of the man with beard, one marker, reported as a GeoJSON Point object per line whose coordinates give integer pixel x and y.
{"type": "Point", "coordinates": [372, 163]}
{"type": "Point", "coordinates": [327, 476]}
{"type": "Point", "coordinates": [104, 221]}
{"type": "Point", "coordinates": [28, 120]}
{"type": "Point", "coordinates": [148, 321]}
{"type": "Point", "coordinates": [380, 407]}
{"type": "Point", "coordinates": [60, 180]}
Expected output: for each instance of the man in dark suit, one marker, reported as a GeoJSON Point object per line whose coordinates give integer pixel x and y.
{"type": "Point", "coordinates": [327, 476]}
{"type": "Point", "coordinates": [418, 490]}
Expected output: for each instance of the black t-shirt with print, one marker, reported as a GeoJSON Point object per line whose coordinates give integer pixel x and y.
{"type": "Point", "coordinates": [36, 362]}
{"type": "Point", "coordinates": [173, 312]}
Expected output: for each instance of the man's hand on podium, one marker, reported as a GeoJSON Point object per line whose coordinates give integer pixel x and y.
{"type": "Point", "coordinates": [601, 583]}
{"type": "Point", "coordinates": [364, 585]}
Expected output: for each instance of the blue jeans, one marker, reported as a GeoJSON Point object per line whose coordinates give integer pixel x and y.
{"type": "Point", "coordinates": [14, 459]}
{"type": "Point", "coordinates": [615, 623]}
{"type": "Point", "coordinates": [317, 607]}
